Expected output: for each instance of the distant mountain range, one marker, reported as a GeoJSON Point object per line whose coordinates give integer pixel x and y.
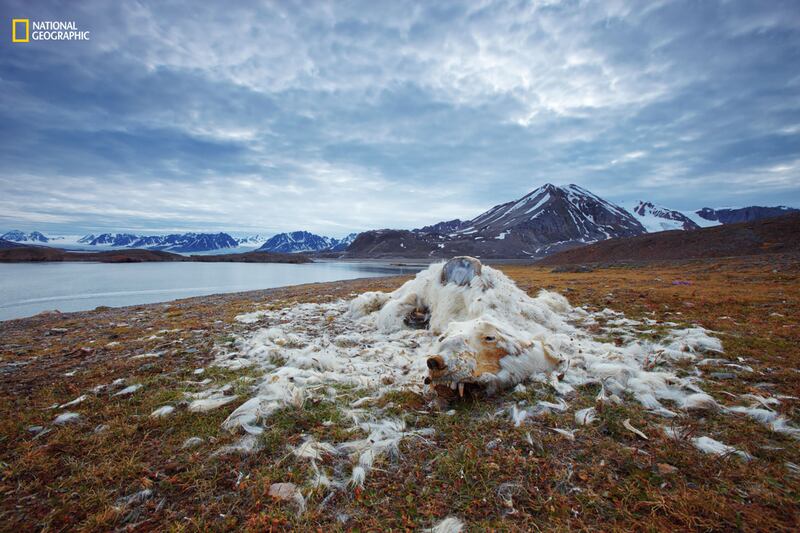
{"type": "Point", "coordinates": [303, 241]}
{"type": "Point", "coordinates": [546, 220]}
{"type": "Point", "coordinates": [19, 236]}
{"type": "Point", "coordinates": [183, 242]}
{"type": "Point", "coordinates": [295, 242]}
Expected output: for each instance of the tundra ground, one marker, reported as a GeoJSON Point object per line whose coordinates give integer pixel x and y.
{"type": "Point", "coordinates": [114, 466]}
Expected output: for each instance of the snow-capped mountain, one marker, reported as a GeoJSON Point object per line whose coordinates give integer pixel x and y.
{"type": "Point", "coordinates": [342, 244]}
{"type": "Point", "coordinates": [18, 236]}
{"type": "Point", "coordinates": [547, 219]}
{"type": "Point", "coordinates": [656, 218]}
{"type": "Point", "coordinates": [295, 242]}
{"type": "Point", "coordinates": [252, 240]}
{"type": "Point", "coordinates": [110, 239]}
{"type": "Point", "coordinates": [304, 241]}
{"type": "Point", "coordinates": [177, 242]}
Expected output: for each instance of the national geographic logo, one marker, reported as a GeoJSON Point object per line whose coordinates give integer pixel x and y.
{"type": "Point", "coordinates": [26, 30]}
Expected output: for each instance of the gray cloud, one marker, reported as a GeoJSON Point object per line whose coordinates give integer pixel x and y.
{"type": "Point", "coordinates": [346, 116]}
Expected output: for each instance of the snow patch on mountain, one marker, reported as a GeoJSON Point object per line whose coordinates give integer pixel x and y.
{"type": "Point", "coordinates": [657, 218]}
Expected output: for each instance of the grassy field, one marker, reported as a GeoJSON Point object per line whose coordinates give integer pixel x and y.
{"type": "Point", "coordinates": [116, 467]}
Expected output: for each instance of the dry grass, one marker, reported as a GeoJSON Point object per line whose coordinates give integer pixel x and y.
{"type": "Point", "coordinates": [478, 466]}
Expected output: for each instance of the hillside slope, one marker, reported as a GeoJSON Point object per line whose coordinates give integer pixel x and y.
{"type": "Point", "coordinates": [775, 235]}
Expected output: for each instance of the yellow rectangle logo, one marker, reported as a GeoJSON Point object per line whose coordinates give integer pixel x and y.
{"type": "Point", "coordinates": [14, 35]}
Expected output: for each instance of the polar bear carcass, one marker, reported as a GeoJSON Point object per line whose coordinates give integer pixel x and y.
{"type": "Point", "coordinates": [489, 333]}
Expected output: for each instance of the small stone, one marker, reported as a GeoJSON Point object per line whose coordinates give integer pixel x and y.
{"type": "Point", "coordinates": [666, 469]}
{"type": "Point", "coordinates": [283, 491]}
{"type": "Point", "coordinates": [492, 444]}
{"type": "Point", "coordinates": [66, 418]}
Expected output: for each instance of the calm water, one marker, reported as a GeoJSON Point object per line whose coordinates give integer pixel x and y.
{"type": "Point", "coordinates": [28, 288]}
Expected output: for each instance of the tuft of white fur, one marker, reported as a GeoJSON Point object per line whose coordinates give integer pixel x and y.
{"type": "Point", "coordinates": [209, 404]}
{"type": "Point", "coordinates": [76, 401]}
{"type": "Point", "coordinates": [699, 400]}
{"type": "Point", "coordinates": [311, 351]}
{"type": "Point", "coordinates": [162, 411]}
{"type": "Point", "coordinates": [314, 450]}
{"type": "Point", "coordinates": [518, 416]}
{"type": "Point", "coordinates": [568, 433]}
{"type": "Point", "coordinates": [450, 524]}
{"type": "Point", "coordinates": [715, 447]}
{"type": "Point", "coordinates": [127, 391]}
{"type": "Point", "coordinates": [584, 417]}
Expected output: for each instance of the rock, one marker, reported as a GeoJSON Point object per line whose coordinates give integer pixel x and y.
{"type": "Point", "coordinates": [192, 442]}
{"type": "Point", "coordinates": [666, 469]}
{"type": "Point", "coordinates": [283, 491]}
{"type": "Point", "coordinates": [66, 418]}
{"type": "Point", "coordinates": [288, 492]}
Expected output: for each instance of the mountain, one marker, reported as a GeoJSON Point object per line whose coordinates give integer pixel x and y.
{"type": "Point", "coordinates": [342, 244]}
{"type": "Point", "coordinates": [188, 242]}
{"type": "Point", "coordinates": [18, 236]}
{"type": "Point", "coordinates": [111, 239]}
{"type": "Point", "coordinates": [547, 219]}
{"type": "Point", "coordinates": [252, 240]}
{"type": "Point", "coordinates": [772, 235]}
{"type": "Point", "coordinates": [303, 241]}
{"type": "Point", "coordinates": [657, 218]}
{"type": "Point", "coordinates": [729, 215]}
{"type": "Point", "coordinates": [296, 241]}
{"type": "Point", "coordinates": [177, 242]}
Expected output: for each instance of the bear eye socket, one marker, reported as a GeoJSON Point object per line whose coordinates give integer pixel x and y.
{"type": "Point", "coordinates": [488, 338]}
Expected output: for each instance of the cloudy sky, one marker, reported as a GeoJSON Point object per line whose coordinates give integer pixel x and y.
{"type": "Point", "coordinates": [345, 116]}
